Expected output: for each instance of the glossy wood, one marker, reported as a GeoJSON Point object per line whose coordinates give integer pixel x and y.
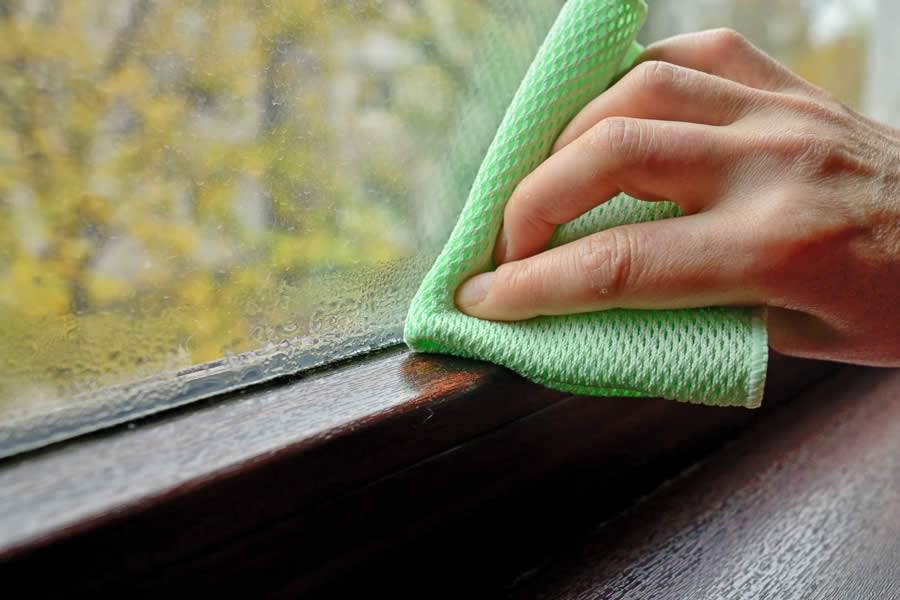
{"type": "Point", "coordinates": [285, 487]}
{"type": "Point", "coordinates": [187, 480]}
{"type": "Point", "coordinates": [804, 505]}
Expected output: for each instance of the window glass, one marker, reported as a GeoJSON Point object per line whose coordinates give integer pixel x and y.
{"type": "Point", "coordinates": [836, 44]}
{"type": "Point", "coordinates": [196, 195]}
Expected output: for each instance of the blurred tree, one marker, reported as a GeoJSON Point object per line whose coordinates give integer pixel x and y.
{"type": "Point", "coordinates": [182, 180]}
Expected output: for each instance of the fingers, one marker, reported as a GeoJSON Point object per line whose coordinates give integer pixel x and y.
{"type": "Point", "coordinates": [684, 262]}
{"type": "Point", "coordinates": [651, 160]}
{"type": "Point", "coordinates": [724, 53]}
{"type": "Point", "coordinates": [711, 77]}
{"type": "Point", "coordinates": [663, 91]}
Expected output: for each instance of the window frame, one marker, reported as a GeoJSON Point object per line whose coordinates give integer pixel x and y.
{"type": "Point", "coordinates": [803, 504]}
{"type": "Point", "coordinates": [310, 476]}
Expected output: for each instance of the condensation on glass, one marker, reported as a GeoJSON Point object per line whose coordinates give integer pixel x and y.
{"type": "Point", "coordinates": [196, 196]}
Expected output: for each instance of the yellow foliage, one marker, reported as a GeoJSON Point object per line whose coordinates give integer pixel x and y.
{"type": "Point", "coordinates": [95, 209]}
{"type": "Point", "coordinates": [196, 290]}
{"type": "Point", "coordinates": [170, 185]}
{"type": "Point", "coordinates": [36, 290]}
{"type": "Point", "coordinates": [130, 80]}
{"type": "Point", "coordinates": [72, 254]}
{"type": "Point", "coordinates": [171, 239]}
{"type": "Point", "coordinates": [105, 290]}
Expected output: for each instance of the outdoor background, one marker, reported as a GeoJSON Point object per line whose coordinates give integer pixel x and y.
{"type": "Point", "coordinates": [197, 180]}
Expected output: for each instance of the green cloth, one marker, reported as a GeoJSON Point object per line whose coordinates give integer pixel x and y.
{"type": "Point", "coordinates": [711, 355]}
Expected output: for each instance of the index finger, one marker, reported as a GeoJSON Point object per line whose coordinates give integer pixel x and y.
{"type": "Point", "coordinates": [724, 53]}
{"type": "Point", "coordinates": [685, 163]}
{"type": "Point", "coordinates": [677, 263]}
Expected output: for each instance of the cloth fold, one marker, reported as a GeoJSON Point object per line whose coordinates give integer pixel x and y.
{"type": "Point", "coordinates": [713, 355]}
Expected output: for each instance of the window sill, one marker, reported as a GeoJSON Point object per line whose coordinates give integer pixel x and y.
{"type": "Point", "coordinates": [803, 504]}
{"type": "Point", "coordinates": [305, 478]}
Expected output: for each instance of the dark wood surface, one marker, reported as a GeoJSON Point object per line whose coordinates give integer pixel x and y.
{"type": "Point", "coordinates": [114, 505]}
{"type": "Point", "coordinates": [285, 487]}
{"type": "Point", "coordinates": [806, 504]}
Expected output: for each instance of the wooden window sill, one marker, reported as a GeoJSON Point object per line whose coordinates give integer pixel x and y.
{"type": "Point", "coordinates": [286, 486]}
{"type": "Point", "coordinates": [804, 504]}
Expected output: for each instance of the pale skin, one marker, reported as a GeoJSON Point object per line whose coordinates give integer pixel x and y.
{"type": "Point", "coordinates": [791, 202]}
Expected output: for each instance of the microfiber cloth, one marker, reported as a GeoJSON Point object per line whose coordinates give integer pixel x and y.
{"type": "Point", "coordinates": [712, 355]}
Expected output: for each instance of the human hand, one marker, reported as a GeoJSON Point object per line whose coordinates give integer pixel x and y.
{"type": "Point", "coordinates": [790, 199]}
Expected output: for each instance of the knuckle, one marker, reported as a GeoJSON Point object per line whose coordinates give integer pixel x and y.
{"type": "Point", "coordinates": [656, 76]}
{"type": "Point", "coordinates": [522, 198]}
{"type": "Point", "coordinates": [727, 41]}
{"type": "Point", "coordinates": [607, 262]}
{"type": "Point", "coordinates": [819, 156]}
{"type": "Point", "coordinates": [527, 208]}
{"type": "Point", "coordinates": [619, 131]}
{"type": "Point", "coordinates": [620, 138]}
{"type": "Point", "coordinates": [811, 149]}
{"type": "Point", "coordinates": [513, 279]}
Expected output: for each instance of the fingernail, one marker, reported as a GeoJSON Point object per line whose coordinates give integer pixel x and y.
{"type": "Point", "coordinates": [500, 250]}
{"type": "Point", "coordinates": [474, 290]}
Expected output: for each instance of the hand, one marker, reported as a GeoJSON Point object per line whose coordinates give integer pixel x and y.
{"type": "Point", "coordinates": [790, 199]}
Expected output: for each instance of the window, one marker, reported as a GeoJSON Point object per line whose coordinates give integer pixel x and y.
{"type": "Point", "coordinates": [178, 173]}
{"type": "Point", "coordinates": [197, 196]}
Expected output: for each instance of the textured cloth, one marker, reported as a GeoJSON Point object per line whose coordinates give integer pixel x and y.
{"type": "Point", "coordinates": [709, 355]}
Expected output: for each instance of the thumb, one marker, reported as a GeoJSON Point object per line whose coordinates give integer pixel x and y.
{"type": "Point", "coordinates": [677, 263]}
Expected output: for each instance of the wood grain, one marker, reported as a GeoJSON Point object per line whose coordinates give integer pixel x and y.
{"type": "Point", "coordinates": [288, 486]}
{"type": "Point", "coordinates": [107, 506]}
{"type": "Point", "coordinates": [805, 505]}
